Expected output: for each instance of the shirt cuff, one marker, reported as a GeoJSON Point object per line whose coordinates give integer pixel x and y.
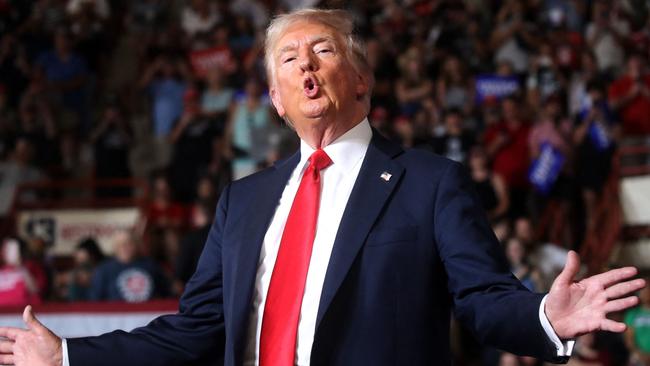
{"type": "Point", "coordinates": [564, 349]}
{"type": "Point", "coordinates": [64, 349]}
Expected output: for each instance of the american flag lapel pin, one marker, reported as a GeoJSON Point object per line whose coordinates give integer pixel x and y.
{"type": "Point", "coordinates": [385, 176]}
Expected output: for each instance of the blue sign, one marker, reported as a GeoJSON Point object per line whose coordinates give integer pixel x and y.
{"type": "Point", "coordinates": [495, 87]}
{"type": "Point", "coordinates": [598, 136]}
{"type": "Point", "coordinates": [546, 168]}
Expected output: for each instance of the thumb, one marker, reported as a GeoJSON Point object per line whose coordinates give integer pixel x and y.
{"type": "Point", "coordinates": [30, 319]}
{"type": "Point", "coordinates": [571, 268]}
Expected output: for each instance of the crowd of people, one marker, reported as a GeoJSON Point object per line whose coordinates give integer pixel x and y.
{"type": "Point", "coordinates": [533, 96]}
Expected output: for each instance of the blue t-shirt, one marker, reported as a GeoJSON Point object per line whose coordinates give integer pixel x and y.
{"type": "Point", "coordinates": [167, 96]}
{"type": "Point", "coordinates": [138, 281]}
{"type": "Point", "coordinates": [57, 69]}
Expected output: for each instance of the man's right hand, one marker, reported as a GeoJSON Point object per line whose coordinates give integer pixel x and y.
{"type": "Point", "coordinates": [34, 346]}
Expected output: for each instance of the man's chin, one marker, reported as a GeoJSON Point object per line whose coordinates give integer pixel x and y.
{"type": "Point", "coordinates": [314, 111]}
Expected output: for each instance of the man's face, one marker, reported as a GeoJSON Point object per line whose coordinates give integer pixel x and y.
{"type": "Point", "coordinates": [125, 249]}
{"type": "Point", "coordinates": [314, 81]}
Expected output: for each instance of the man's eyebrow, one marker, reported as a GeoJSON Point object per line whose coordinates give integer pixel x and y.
{"type": "Point", "coordinates": [312, 41]}
{"type": "Point", "coordinates": [321, 39]}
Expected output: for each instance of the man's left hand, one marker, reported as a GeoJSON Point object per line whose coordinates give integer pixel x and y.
{"type": "Point", "coordinates": [576, 308]}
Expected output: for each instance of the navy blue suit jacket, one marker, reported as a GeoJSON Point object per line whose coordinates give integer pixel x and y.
{"type": "Point", "coordinates": [408, 252]}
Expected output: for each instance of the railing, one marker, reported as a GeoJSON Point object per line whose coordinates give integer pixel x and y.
{"type": "Point", "coordinates": [609, 229]}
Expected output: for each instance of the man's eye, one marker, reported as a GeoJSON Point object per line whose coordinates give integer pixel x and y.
{"type": "Point", "coordinates": [288, 59]}
{"type": "Point", "coordinates": [324, 50]}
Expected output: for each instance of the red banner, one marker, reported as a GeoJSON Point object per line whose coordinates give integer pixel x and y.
{"type": "Point", "coordinates": [216, 57]}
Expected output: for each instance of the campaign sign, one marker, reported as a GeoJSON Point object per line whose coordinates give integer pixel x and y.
{"type": "Point", "coordinates": [205, 59]}
{"type": "Point", "coordinates": [598, 136]}
{"type": "Point", "coordinates": [495, 87]}
{"type": "Point", "coordinates": [546, 168]}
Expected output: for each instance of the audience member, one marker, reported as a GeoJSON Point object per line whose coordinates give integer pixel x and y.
{"type": "Point", "coordinates": [629, 96]}
{"type": "Point", "coordinates": [216, 98]}
{"type": "Point", "coordinates": [65, 74]}
{"type": "Point", "coordinates": [164, 80]}
{"type": "Point", "coordinates": [16, 170]}
{"type": "Point", "coordinates": [456, 142]}
{"type": "Point", "coordinates": [162, 210]}
{"type": "Point", "coordinates": [128, 276]}
{"type": "Point", "coordinates": [594, 136]}
{"type": "Point", "coordinates": [604, 36]}
{"type": "Point", "coordinates": [18, 287]}
{"type": "Point", "coordinates": [412, 87]}
{"type": "Point", "coordinates": [507, 144]}
{"type": "Point", "coordinates": [87, 256]}
{"type": "Point", "coordinates": [193, 136]}
{"type": "Point", "coordinates": [490, 186]}
{"type": "Point", "coordinates": [199, 16]}
{"type": "Point", "coordinates": [248, 128]}
{"type": "Point", "coordinates": [112, 140]}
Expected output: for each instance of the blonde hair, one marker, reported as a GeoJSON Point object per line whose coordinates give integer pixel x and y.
{"type": "Point", "coordinates": [340, 21]}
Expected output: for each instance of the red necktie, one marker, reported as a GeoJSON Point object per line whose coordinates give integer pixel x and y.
{"type": "Point", "coordinates": [284, 298]}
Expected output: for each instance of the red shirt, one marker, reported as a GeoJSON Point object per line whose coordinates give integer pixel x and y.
{"type": "Point", "coordinates": [511, 160]}
{"type": "Point", "coordinates": [172, 215]}
{"type": "Point", "coordinates": [13, 287]}
{"type": "Point", "coordinates": [635, 116]}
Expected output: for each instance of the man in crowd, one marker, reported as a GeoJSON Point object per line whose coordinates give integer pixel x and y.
{"type": "Point", "coordinates": [630, 97]}
{"type": "Point", "coordinates": [351, 252]}
{"type": "Point", "coordinates": [127, 276]}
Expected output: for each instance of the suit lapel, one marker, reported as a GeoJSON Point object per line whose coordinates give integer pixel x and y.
{"type": "Point", "coordinates": [369, 195]}
{"type": "Point", "coordinates": [263, 204]}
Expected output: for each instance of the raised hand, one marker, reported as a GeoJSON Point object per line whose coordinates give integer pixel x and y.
{"type": "Point", "coordinates": [576, 308]}
{"type": "Point", "coordinates": [34, 346]}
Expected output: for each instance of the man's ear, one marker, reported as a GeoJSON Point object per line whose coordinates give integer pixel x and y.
{"type": "Point", "coordinates": [362, 86]}
{"type": "Point", "coordinates": [277, 102]}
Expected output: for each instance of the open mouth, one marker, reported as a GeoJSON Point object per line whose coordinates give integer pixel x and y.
{"type": "Point", "coordinates": [310, 87]}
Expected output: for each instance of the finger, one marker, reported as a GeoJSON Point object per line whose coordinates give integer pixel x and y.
{"type": "Point", "coordinates": [6, 359]}
{"type": "Point", "coordinates": [570, 270]}
{"type": "Point", "coordinates": [621, 304]}
{"type": "Point", "coordinates": [9, 332]}
{"type": "Point", "coordinates": [30, 319]}
{"type": "Point", "coordinates": [612, 326]}
{"type": "Point", "coordinates": [624, 288]}
{"type": "Point", "coordinates": [6, 346]}
{"type": "Point", "coordinates": [615, 275]}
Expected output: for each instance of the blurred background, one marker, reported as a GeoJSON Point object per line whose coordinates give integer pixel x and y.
{"type": "Point", "coordinates": [122, 121]}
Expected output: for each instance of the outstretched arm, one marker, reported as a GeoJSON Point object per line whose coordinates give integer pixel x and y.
{"type": "Point", "coordinates": [189, 337]}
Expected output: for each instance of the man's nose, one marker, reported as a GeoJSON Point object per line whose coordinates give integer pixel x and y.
{"type": "Point", "coordinates": [307, 62]}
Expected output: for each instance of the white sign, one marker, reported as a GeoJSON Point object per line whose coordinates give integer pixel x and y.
{"type": "Point", "coordinates": [635, 200]}
{"type": "Point", "coordinates": [63, 229]}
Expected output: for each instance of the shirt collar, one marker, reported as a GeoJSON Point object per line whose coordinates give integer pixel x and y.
{"type": "Point", "coordinates": [346, 150]}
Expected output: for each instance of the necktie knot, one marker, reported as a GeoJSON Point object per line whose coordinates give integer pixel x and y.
{"type": "Point", "coordinates": [320, 160]}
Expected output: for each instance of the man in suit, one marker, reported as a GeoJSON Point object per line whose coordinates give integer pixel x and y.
{"type": "Point", "coordinates": [351, 252]}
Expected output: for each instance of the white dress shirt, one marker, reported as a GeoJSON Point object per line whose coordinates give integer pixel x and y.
{"type": "Point", "coordinates": [347, 153]}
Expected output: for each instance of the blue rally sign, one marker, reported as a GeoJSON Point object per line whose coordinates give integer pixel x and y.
{"type": "Point", "coordinates": [495, 86]}
{"type": "Point", "coordinates": [546, 168]}
{"type": "Point", "coordinates": [598, 136]}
